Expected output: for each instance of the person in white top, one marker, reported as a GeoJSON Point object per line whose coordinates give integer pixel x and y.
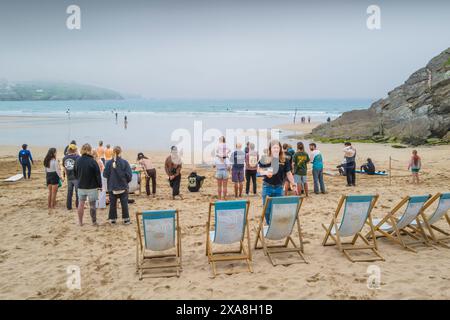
{"type": "Point", "coordinates": [53, 176]}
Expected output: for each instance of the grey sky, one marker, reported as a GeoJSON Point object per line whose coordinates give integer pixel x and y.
{"type": "Point", "coordinates": [223, 48]}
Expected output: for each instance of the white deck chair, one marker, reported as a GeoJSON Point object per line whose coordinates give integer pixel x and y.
{"type": "Point", "coordinates": [283, 212]}
{"type": "Point", "coordinates": [230, 228]}
{"type": "Point", "coordinates": [440, 212]}
{"type": "Point", "coordinates": [161, 233]}
{"type": "Point", "coordinates": [394, 228]}
{"type": "Point", "coordinates": [357, 213]}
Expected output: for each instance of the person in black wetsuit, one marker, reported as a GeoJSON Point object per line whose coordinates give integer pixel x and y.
{"type": "Point", "coordinates": [368, 167]}
{"type": "Point", "coordinates": [26, 160]}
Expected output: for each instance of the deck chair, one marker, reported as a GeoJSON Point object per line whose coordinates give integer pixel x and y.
{"type": "Point", "coordinates": [230, 228]}
{"type": "Point", "coordinates": [283, 212]}
{"type": "Point", "coordinates": [357, 213]}
{"type": "Point", "coordinates": [161, 233]}
{"type": "Point", "coordinates": [394, 228]}
{"type": "Point", "coordinates": [440, 212]}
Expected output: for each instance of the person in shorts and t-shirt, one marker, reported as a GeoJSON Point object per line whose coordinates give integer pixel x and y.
{"type": "Point", "coordinates": [237, 169]}
{"type": "Point", "coordinates": [301, 160]}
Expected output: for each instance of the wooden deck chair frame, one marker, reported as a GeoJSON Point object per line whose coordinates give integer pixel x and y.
{"type": "Point", "coordinates": [432, 228]}
{"type": "Point", "coordinates": [143, 260]}
{"type": "Point", "coordinates": [396, 235]}
{"type": "Point", "coordinates": [346, 247]}
{"type": "Point", "coordinates": [270, 250]}
{"type": "Point", "coordinates": [244, 252]}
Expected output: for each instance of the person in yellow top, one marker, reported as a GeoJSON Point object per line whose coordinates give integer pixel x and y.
{"type": "Point", "coordinates": [101, 152]}
{"type": "Point", "coordinates": [108, 152]}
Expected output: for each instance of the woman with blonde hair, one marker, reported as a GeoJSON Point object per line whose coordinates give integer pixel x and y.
{"type": "Point", "coordinates": [89, 179]}
{"type": "Point", "coordinates": [275, 169]}
{"type": "Point", "coordinates": [118, 174]}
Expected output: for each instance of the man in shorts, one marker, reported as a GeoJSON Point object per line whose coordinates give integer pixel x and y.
{"type": "Point", "coordinates": [237, 170]}
{"type": "Point", "coordinates": [301, 159]}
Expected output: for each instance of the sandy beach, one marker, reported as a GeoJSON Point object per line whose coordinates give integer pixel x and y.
{"type": "Point", "coordinates": [38, 246]}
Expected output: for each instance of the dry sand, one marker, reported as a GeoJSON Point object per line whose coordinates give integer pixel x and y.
{"type": "Point", "coordinates": [37, 246]}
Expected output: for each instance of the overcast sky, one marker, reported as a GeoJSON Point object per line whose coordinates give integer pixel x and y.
{"type": "Point", "coordinates": [223, 48]}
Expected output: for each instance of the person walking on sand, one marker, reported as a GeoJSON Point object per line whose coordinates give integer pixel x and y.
{"type": "Point", "coordinates": [415, 164]}
{"type": "Point", "coordinates": [69, 174]}
{"type": "Point", "coordinates": [149, 171]}
{"type": "Point", "coordinates": [251, 168]}
{"type": "Point", "coordinates": [350, 164]}
{"type": "Point", "coordinates": [118, 174]}
{"type": "Point", "coordinates": [101, 152]}
{"type": "Point", "coordinates": [288, 157]}
{"type": "Point", "coordinates": [25, 160]}
{"type": "Point", "coordinates": [301, 160]}
{"type": "Point", "coordinates": [317, 168]}
{"type": "Point", "coordinates": [53, 176]}
{"type": "Point", "coordinates": [89, 179]}
{"type": "Point", "coordinates": [173, 166]}
{"type": "Point", "coordinates": [275, 171]}
{"type": "Point", "coordinates": [237, 170]}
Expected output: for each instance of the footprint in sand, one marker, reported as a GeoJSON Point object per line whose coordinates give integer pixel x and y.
{"type": "Point", "coordinates": [161, 289]}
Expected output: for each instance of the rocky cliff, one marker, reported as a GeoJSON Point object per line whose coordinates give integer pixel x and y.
{"type": "Point", "coordinates": [415, 113]}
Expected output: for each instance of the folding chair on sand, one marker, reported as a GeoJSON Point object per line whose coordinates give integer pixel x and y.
{"type": "Point", "coordinates": [394, 228]}
{"type": "Point", "coordinates": [430, 222]}
{"type": "Point", "coordinates": [161, 234]}
{"type": "Point", "coordinates": [283, 213]}
{"type": "Point", "coordinates": [357, 213]}
{"type": "Point", "coordinates": [230, 227]}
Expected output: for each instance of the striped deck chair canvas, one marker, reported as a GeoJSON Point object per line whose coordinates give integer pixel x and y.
{"type": "Point", "coordinates": [158, 231]}
{"type": "Point", "coordinates": [439, 213]}
{"type": "Point", "coordinates": [230, 227]}
{"type": "Point", "coordinates": [394, 228]}
{"type": "Point", "coordinates": [357, 214]}
{"type": "Point", "coordinates": [283, 213]}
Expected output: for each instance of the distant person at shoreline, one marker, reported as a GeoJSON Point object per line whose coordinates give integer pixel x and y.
{"type": "Point", "coordinates": [368, 167]}
{"type": "Point", "coordinates": [67, 147]}
{"type": "Point", "coordinates": [149, 171]}
{"type": "Point", "coordinates": [89, 179]}
{"type": "Point", "coordinates": [173, 166]}
{"type": "Point", "coordinates": [317, 168]}
{"type": "Point", "coordinates": [275, 171]}
{"type": "Point", "coordinates": [309, 119]}
{"type": "Point", "coordinates": [350, 164]}
{"type": "Point", "coordinates": [69, 174]}
{"type": "Point", "coordinates": [301, 160]}
{"type": "Point", "coordinates": [25, 160]}
{"type": "Point", "coordinates": [118, 174]}
{"type": "Point", "coordinates": [53, 176]}
{"type": "Point", "coordinates": [251, 168]}
{"type": "Point", "coordinates": [108, 153]}
{"type": "Point", "coordinates": [125, 122]}
{"type": "Point", "coordinates": [101, 152]}
{"type": "Point", "coordinates": [237, 170]}
{"type": "Point", "coordinates": [415, 164]}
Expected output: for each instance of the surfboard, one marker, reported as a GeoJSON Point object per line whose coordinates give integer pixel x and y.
{"type": "Point", "coordinates": [15, 178]}
{"type": "Point", "coordinates": [378, 173]}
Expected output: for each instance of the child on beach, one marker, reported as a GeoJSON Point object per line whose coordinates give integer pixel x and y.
{"type": "Point", "coordinates": [301, 159]}
{"type": "Point", "coordinates": [101, 152]}
{"type": "Point", "coordinates": [414, 165]}
{"type": "Point", "coordinates": [237, 170]}
{"type": "Point", "coordinates": [149, 171]}
{"type": "Point", "coordinates": [173, 167]}
{"type": "Point", "coordinates": [53, 176]}
{"type": "Point", "coordinates": [108, 152]}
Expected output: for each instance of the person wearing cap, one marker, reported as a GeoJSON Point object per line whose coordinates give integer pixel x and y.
{"type": "Point", "coordinates": [173, 170]}
{"type": "Point", "coordinates": [25, 159]}
{"type": "Point", "coordinates": [66, 149]}
{"type": "Point", "coordinates": [69, 174]}
{"type": "Point", "coordinates": [149, 171]}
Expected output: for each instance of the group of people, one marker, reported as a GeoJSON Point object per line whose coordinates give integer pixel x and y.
{"type": "Point", "coordinates": [87, 171]}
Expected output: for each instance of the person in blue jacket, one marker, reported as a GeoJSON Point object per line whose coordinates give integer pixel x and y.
{"type": "Point", "coordinates": [26, 160]}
